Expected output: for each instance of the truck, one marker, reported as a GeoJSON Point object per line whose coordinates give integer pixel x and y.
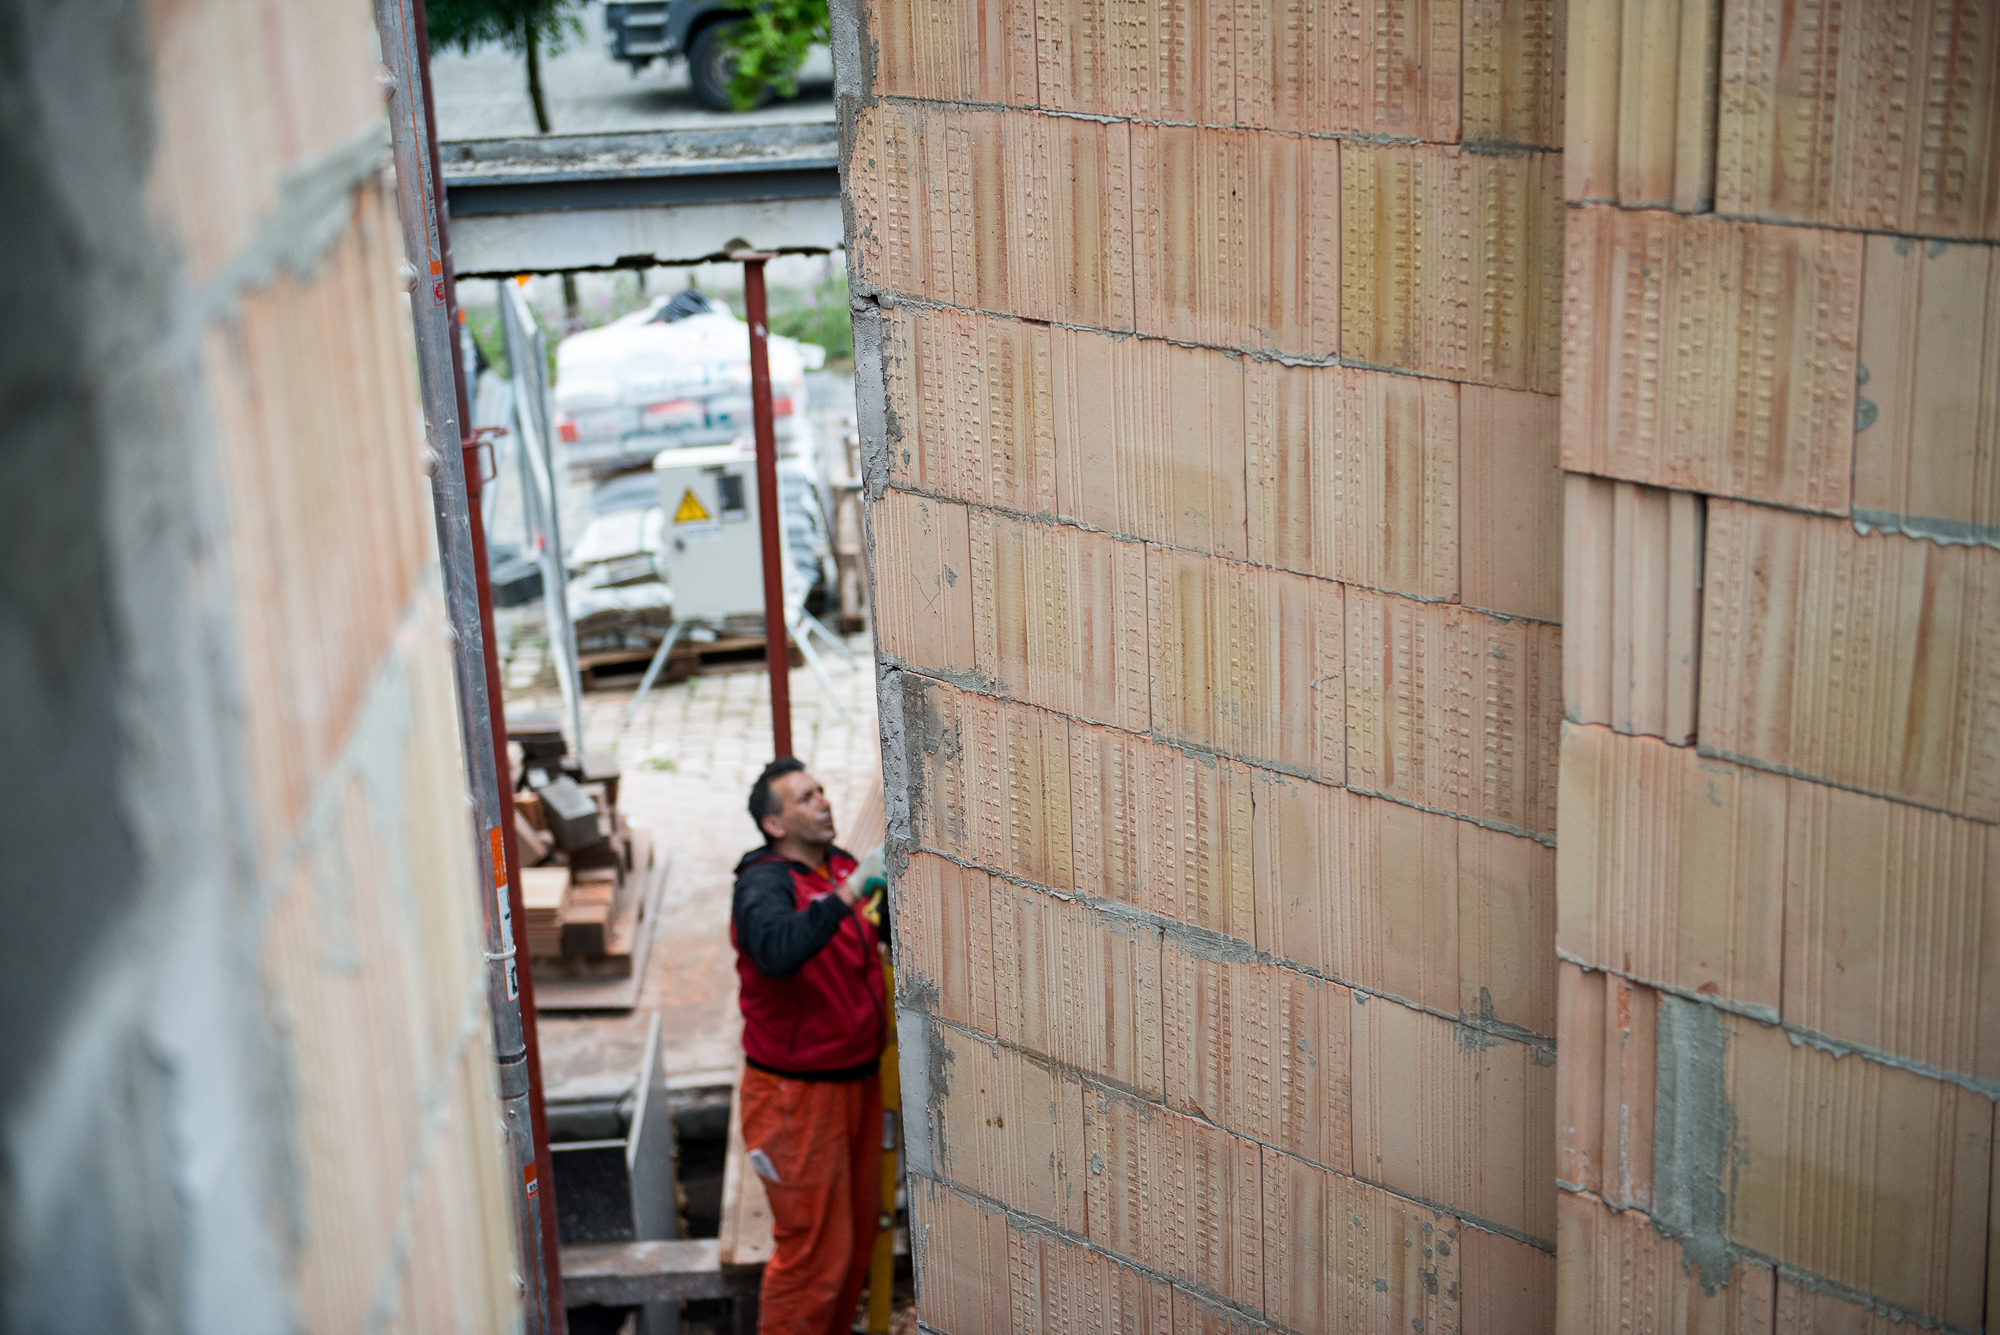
{"type": "Point", "coordinates": [641, 33]}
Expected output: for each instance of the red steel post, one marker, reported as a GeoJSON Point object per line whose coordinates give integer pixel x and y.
{"type": "Point", "coordinates": [497, 713]}
{"type": "Point", "coordinates": [777, 647]}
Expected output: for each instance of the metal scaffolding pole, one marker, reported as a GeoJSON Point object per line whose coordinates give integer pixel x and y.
{"type": "Point", "coordinates": [541, 497]}
{"type": "Point", "coordinates": [400, 25]}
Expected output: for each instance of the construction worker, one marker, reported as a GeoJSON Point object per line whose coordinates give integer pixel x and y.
{"type": "Point", "coordinates": [806, 922]}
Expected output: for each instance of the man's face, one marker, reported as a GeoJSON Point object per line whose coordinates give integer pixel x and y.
{"type": "Point", "coordinates": [803, 811]}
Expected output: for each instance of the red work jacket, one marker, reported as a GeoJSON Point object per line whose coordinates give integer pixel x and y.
{"type": "Point", "coordinates": [810, 973]}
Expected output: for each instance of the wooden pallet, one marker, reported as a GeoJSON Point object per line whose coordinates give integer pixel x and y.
{"type": "Point", "coordinates": [587, 985]}
{"type": "Point", "coordinates": [618, 668]}
{"type": "Point", "coordinates": [745, 1232]}
{"type": "Point", "coordinates": [868, 826]}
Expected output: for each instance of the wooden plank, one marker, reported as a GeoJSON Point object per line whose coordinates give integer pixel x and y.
{"type": "Point", "coordinates": [745, 1232]}
{"type": "Point", "coordinates": [542, 891]}
{"type": "Point", "coordinates": [687, 659]}
{"type": "Point", "coordinates": [869, 825]}
{"type": "Point", "coordinates": [544, 887]}
{"type": "Point", "coordinates": [621, 993]}
{"type": "Point", "coordinates": [629, 1274]}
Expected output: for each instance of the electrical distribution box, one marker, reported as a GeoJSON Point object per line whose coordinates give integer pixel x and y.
{"type": "Point", "coordinates": [711, 551]}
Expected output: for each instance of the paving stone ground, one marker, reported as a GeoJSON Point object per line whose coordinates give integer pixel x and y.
{"type": "Point", "coordinates": [689, 758]}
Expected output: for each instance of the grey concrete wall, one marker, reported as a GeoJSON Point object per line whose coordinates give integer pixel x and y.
{"type": "Point", "coordinates": [141, 1178]}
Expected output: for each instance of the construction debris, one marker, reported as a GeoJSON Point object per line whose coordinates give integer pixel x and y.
{"type": "Point", "coordinates": [672, 375]}
{"type": "Point", "coordinates": [585, 868]}
{"type": "Point", "coordinates": [620, 606]}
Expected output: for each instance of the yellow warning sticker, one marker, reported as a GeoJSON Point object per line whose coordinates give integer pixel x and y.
{"type": "Point", "coordinates": [691, 509]}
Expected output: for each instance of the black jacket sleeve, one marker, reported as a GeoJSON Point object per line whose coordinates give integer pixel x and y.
{"type": "Point", "coordinates": [778, 938]}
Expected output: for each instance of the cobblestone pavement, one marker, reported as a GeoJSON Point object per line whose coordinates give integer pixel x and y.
{"type": "Point", "coordinates": [689, 758]}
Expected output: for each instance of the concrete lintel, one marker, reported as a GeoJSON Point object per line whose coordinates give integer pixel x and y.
{"type": "Point", "coordinates": [502, 244]}
{"type": "Point", "coordinates": [562, 157]}
{"type": "Point", "coordinates": [662, 189]}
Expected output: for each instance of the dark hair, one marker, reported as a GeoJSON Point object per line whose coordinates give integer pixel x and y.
{"type": "Point", "coordinates": [762, 804]}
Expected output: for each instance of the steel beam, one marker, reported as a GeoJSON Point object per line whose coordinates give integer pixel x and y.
{"type": "Point", "coordinates": [603, 201]}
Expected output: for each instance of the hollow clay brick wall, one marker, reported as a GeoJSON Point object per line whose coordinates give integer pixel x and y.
{"type": "Point", "coordinates": [1209, 356]}
{"type": "Point", "coordinates": [1779, 887]}
{"type": "Point", "coordinates": [360, 916]}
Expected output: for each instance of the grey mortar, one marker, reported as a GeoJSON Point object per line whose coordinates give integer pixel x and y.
{"type": "Point", "coordinates": [873, 418]}
{"type": "Point", "coordinates": [853, 84]}
{"type": "Point", "coordinates": [928, 746]}
{"type": "Point", "coordinates": [1693, 1132]}
{"type": "Point", "coordinates": [1944, 532]}
{"type": "Point", "coordinates": [923, 1063]}
{"type": "Point", "coordinates": [889, 689]}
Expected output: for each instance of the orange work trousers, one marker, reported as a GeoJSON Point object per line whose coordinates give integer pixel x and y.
{"type": "Point", "coordinates": [823, 1145]}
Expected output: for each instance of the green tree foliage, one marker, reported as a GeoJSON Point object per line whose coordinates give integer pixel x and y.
{"type": "Point", "coordinates": [769, 44]}
{"type": "Point", "coordinates": [816, 315]}
{"type": "Point", "coordinates": [526, 27]}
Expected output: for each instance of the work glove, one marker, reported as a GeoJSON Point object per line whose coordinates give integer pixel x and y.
{"type": "Point", "coordinates": [869, 879]}
{"type": "Point", "coordinates": [871, 875]}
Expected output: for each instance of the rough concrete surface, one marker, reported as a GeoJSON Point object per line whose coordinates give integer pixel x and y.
{"type": "Point", "coordinates": [142, 1165]}
{"type": "Point", "coordinates": [1693, 1131]}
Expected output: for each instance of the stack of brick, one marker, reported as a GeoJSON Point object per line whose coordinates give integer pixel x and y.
{"type": "Point", "coordinates": [1779, 891]}
{"type": "Point", "coordinates": [1208, 360]}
